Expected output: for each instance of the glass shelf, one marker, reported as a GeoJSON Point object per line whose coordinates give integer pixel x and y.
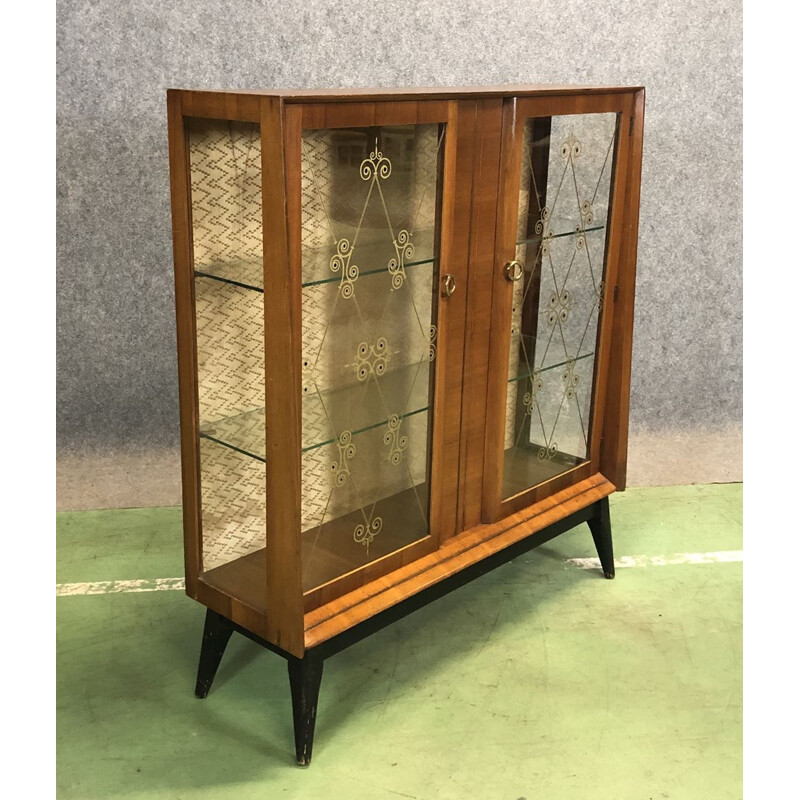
{"type": "Point", "coordinates": [362, 406]}
{"type": "Point", "coordinates": [561, 235]}
{"type": "Point", "coordinates": [553, 362]}
{"type": "Point", "coordinates": [371, 260]}
{"type": "Point", "coordinates": [249, 274]}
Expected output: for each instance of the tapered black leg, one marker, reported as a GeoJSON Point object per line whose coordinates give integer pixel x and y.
{"type": "Point", "coordinates": [216, 634]}
{"type": "Point", "coordinates": [600, 526]}
{"type": "Point", "coordinates": [305, 675]}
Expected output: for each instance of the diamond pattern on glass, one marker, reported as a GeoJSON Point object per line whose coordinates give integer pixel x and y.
{"type": "Point", "coordinates": [561, 240]}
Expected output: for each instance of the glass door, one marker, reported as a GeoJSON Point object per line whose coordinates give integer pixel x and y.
{"type": "Point", "coordinates": [552, 267]}
{"type": "Point", "coordinates": [372, 286]}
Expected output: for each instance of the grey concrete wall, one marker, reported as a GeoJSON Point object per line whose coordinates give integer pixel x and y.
{"type": "Point", "coordinates": [117, 381]}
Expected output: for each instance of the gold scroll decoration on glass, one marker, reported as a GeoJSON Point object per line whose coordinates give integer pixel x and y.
{"type": "Point", "coordinates": [561, 235]}
{"type": "Point", "coordinates": [369, 337]}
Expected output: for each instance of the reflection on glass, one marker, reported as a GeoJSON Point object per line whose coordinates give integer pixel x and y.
{"type": "Point", "coordinates": [561, 241]}
{"type": "Point", "coordinates": [369, 232]}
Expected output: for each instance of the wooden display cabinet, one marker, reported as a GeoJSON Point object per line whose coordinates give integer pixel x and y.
{"type": "Point", "coordinates": [404, 336]}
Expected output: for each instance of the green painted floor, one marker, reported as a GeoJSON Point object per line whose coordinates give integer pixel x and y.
{"type": "Point", "coordinates": [539, 680]}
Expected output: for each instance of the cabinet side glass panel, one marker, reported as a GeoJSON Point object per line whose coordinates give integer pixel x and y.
{"type": "Point", "coordinates": [225, 168]}
{"type": "Point", "coordinates": [561, 236]}
{"type": "Point", "coordinates": [369, 339]}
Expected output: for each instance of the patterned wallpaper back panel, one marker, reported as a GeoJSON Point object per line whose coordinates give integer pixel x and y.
{"type": "Point", "coordinates": [225, 161]}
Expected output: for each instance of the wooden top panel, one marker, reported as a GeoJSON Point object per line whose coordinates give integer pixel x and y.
{"type": "Point", "coordinates": [417, 93]}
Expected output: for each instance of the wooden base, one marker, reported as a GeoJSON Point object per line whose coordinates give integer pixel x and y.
{"type": "Point", "coordinates": [305, 674]}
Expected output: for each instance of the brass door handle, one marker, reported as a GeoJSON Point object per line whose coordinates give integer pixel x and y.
{"type": "Point", "coordinates": [514, 270]}
{"type": "Point", "coordinates": [449, 285]}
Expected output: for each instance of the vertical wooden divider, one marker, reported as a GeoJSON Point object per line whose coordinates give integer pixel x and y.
{"type": "Point", "coordinates": [280, 138]}
{"type": "Point", "coordinates": [456, 194]}
{"type": "Point", "coordinates": [484, 191]}
{"type": "Point", "coordinates": [618, 208]}
{"type": "Point", "coordinates": [180, 193]}
{"type": "Point", "coordinates": [614, 449]}
{"type": "Point", "coordinates": [500, 310]}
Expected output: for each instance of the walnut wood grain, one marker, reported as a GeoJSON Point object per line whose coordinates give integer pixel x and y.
{"type": "Point", "coordinates": [458, 193]}
{"type": "Point", "coordinates": [180, 193]}
{"type": "Point", "coordinates": [379, 112]}
{"type": "Point", "coordinates": [446, 389]}
{"type": "Point", "coordinates": [457, 553]}
{"type": "Point", "coordinates": [615, 229]}
{"type": "Point", "coordinates": [477, 347]}
{"type": "Point", "coordinates": [233, 607]}
{"type": "Point", "coordinates": [501, 302]}
{"type": "Point", "coordinates": [614, 449]}
{"type": "Point", "coordinates": [222, 105]}
{"type": "Point", "coordinates": [399, 94]}
{"type": "Point", "coordinates": [280, 165]}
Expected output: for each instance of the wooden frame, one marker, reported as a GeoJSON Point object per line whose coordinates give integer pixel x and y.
{"type": "Point", "coordinates": [469, 521]}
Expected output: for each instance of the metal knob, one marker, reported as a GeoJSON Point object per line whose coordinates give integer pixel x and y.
{"type": "Point", "coordinates": [449, 285]}
{"type": "Point", "coordinates": [514, 270]}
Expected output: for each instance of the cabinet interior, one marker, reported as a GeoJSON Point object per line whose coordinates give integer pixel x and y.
{"type": "Point", "coordinates": [225, 169]}
{"type": "Point", "coordinates": [370, 227]}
